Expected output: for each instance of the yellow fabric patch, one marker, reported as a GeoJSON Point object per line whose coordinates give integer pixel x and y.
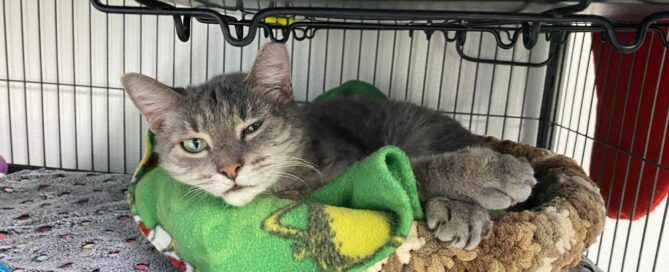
{"type": "Point", "coordinates": [356, 238]}
{"type": "Point", "coordinates": [147, 154]}
{"type": "Point", "coordinates": [278, 21]}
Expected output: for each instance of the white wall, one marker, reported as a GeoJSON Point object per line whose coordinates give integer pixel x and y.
{"type": "Point", "coordinates": [61, 83]}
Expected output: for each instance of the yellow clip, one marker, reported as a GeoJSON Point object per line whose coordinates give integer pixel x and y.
{"type": "Point", "coordinates": [278, 21]}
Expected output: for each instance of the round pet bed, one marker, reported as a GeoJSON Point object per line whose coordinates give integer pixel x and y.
{"type": "Point", "coordinates": [549, 232]}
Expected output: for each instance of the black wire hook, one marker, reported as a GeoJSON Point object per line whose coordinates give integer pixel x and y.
{"type": "Point", "coordinates": [182, 28]}
{"type": "Point", "coordinates": [460, 42]}
{"type": "Point", "coordinates": [530, 34]}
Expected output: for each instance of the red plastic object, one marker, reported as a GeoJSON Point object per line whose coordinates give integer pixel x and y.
{"type": "Point", "coordinates": [626, 87]}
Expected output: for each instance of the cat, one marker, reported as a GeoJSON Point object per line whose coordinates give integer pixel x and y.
{"type": "Point", "coordinates": [242, 134]}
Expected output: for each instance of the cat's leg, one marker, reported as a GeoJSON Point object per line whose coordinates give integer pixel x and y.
{"type": "Point", "coordinates": [474, 174]}
{"type": "Point", "coordinates": [458, 188]}
{"type": "Point", "coordinates": [459, 223]}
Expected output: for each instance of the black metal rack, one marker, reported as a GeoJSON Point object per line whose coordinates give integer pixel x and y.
{"type": "Point", "coordinates": [550, 19]}
{"type": "Point", "coordinates": [509, 22]}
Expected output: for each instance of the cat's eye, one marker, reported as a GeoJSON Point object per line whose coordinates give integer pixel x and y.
{"type": "Point", "coordinates": [194, 145]}
{"type": "Point", "coordinates": [252, 128]}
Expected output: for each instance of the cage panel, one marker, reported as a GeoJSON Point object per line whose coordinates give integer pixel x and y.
{"type": "Point", "coordinates": [62, 104]}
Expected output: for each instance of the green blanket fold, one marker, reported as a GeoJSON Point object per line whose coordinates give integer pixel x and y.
{"type": "Point", "coordinates": [352, 88]}
{"type": "Point", "coordinates": [355, 221]}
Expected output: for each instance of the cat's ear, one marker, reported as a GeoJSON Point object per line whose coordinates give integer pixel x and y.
{"type": "Point", "coordinates": [152, 98]}
{"type": "Point", "coordinates": [270, 74]}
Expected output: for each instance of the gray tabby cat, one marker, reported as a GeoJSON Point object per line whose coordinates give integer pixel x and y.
{"type": "Point", "coordinates": [242, 134]}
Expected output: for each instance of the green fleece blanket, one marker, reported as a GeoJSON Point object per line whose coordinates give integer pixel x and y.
{"type": "Point", "coordinates": [352, 223]}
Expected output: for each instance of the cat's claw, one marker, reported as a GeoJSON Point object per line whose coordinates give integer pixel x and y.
{"type": "Point", "coordinates": [460, 224]}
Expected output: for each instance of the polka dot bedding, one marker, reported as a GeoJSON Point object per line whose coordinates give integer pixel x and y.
{"type": "Point", "coordinates": [71, 221]}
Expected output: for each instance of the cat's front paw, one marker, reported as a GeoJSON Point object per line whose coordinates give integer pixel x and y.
{"type": "Point", "coordinates": [461, 224]}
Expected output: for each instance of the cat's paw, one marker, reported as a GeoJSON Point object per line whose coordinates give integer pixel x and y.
{"type": "Point", "coordinates": [504, 181]}
{"type": "Point", "coordinates": [460, 224]}
{"type": "Point", "coordinates": [477, 174]}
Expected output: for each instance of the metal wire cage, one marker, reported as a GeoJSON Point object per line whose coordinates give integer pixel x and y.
{"type": "Point", "coordinates": [62, 105]}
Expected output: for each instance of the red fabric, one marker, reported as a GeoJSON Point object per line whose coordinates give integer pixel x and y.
{"type": "Point", "coordinates": [176, 263]}
{"type": "Point", "coordinates": [635, 77]}
{"type": "Point", "coordinates": [144, 229]}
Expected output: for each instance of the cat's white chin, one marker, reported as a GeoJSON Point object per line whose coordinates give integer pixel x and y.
{"type": "Point", "coordinates": [241, 196]}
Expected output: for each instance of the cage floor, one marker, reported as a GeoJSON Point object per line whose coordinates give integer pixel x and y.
{"type": "Point", "coordinates": [74, 221]}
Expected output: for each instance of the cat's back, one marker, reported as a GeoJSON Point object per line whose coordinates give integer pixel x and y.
{"type": "Point", "coordinates": [373, 123]}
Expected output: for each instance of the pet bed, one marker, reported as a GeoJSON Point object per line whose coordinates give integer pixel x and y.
{"type": "Point", "coordinates": [336, 229]}
{"type": "Point", "coordinates": [549, 232]}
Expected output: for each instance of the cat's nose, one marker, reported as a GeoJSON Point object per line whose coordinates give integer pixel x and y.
{"type": "Point", "coordinates": [230, 171]}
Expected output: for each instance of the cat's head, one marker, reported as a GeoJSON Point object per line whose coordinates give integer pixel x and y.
{"type": "Point", "coordinates": [234, 136]}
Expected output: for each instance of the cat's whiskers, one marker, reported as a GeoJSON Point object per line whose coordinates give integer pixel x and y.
{"type": "Point", "coordinates": [299, 162]}
{"type": "Point", "coordinates": [309, 165]}
{"type": "Point", "coordinates": [278, 171]}
{"type": "Point", "coordinates": [202, 181]}
{"type": "Point", "coordinates": [284, 174]}
{"type": "Point", "coordinates": [283, 165]}
{"type": "Point", "coordinates": [198, 192]}
{"type": "Point", "coordinates": [197, 188]}
{"type": "Point", "coordinates": [190, 190]}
